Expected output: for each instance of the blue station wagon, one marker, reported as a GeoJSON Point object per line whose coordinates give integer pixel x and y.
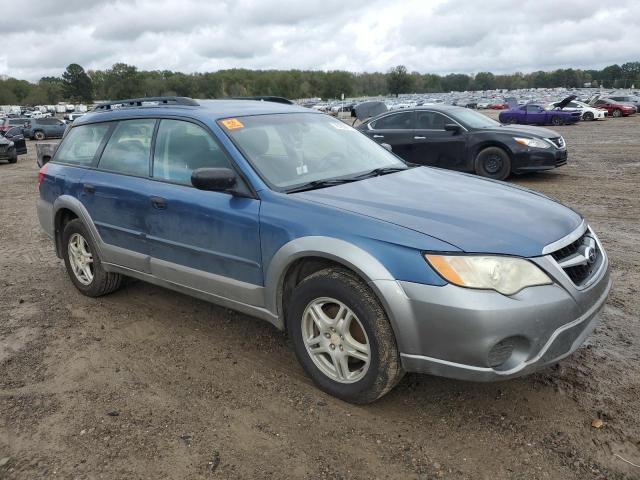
{"type": "Point", "coordinates": [374, 267]}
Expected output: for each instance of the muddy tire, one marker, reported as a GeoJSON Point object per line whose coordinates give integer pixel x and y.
{"type": "Point", "coordinates": [493, 162]}
{"type": "Point", "coordinates": [342, 336]}
{"type": "Point", "coordinates": [83, 262]}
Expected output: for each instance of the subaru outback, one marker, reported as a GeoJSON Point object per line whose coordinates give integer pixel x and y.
{"type": "Point", "coordinates": [372, 266]}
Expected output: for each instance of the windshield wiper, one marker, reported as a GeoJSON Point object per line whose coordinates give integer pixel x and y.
{"type": "Point", "coordinates": [376, 172]}
{"type": "Point", "coordinates": [321, 184]}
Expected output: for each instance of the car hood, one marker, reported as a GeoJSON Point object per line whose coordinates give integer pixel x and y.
{"type": "Point", "coordinates": [563, 103]}
{"type": "Point", "coordinates": [522, 130]}
{"type": "Point", "coordinates": [471, 213]}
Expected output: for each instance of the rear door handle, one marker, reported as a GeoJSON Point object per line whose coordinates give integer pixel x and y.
{"type": "Point", "coordinates": [89, 189]}
{"type": "Point", "coordinates": [378, 136]}
{"type": "Point", "coordinates": [418, 137]}
{"type": "Point", "coordinates": [158, 202]}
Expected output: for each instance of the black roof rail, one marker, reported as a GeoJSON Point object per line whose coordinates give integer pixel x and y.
{"type": "Point", "coordinates": [266, 98]}
{"type": "Point", "coordinates": [137, 102]}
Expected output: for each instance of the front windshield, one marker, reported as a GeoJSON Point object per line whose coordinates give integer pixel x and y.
{"type": "Point", "coordinates": [289, 150]}
{"type": "Point", "coordinates": [475, 120]}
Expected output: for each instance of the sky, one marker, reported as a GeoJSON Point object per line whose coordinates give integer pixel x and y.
{"type": "Point", "coordinates": [429, 36]}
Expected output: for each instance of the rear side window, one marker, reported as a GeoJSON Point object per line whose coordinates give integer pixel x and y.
{"type": "Point", "coordinates": [181, 147]}
{"type": "Point", "coordinates": [80, 145]}
{"type": "Point", "coordinates": [129, 148]}
{"type": "Point", "coordinates": [396, 121]}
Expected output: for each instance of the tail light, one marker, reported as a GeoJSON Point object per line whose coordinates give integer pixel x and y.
{"type": "Point", "coordinates": [41, 173]}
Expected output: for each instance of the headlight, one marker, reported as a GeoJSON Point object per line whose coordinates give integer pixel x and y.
{"type": "Point", "coordinates": [532, 142]}
{"type": "Point", "coordinates": [507, 275]}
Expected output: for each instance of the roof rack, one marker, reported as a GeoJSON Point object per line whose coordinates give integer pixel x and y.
{"type": "Point", "coordinates": [138, 102]}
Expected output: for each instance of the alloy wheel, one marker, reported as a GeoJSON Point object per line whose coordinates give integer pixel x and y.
{"type": "Point", "coordinates": [335, 340]}
{"type": "Point", "coordinates": [80, 259]}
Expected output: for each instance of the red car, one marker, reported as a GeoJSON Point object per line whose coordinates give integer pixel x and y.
{"type": "Point", "coordinates": [615, 109]}
{"type": "Point", "coordinates": [499, 106]}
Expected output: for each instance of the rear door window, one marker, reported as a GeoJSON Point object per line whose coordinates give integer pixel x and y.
{"type": "Point", "coordinates": [81, 144]}
{"type": "Point", "coordinates": [395, 121]}
{"type": "Point", "coordinates": [181, 147]}
{"type": "Point", "coordinates": [129, 148]}
{"type": "Point", "coordinates": [430, 120]}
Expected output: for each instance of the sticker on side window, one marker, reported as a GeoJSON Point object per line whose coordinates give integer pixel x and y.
{"type": "Point", "coordinates": [232, 123]}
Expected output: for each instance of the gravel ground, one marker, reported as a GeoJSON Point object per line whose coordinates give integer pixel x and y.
{"type": "Point", "coordinates": [148, 383]}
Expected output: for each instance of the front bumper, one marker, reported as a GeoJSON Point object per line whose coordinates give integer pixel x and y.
{"type": "Point", "coordinates": [537, 160]}
{"type": "Point", "coordinates": [7, 153]}
{"type": "Point", "coordinates": [454, 332]}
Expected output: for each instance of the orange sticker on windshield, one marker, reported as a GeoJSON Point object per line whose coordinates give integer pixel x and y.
{"type": "Point", "coordinates": [232, 123]}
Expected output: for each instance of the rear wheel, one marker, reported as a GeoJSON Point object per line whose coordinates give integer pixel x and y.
{"type": "Point", "coordinates": [511, 120]}
{"type": "Point", "coordinates": [342, 336]}
{"type": "Point", "coordinates": [39, 135]}
{"type": "Point", "coordinates": [617, 113]}
{"type": "Point", "coordinates": [493, 162]}
{"type": "Point", "coordinates": [588, 116]}
{"type": "Point", "coordinates": [83, 262]}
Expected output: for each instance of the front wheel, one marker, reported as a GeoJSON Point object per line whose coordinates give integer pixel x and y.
{"type": "Point", "coordinates": [39, 135]}
{"type": "Point", "coordinates": [588, 116]}
{"type": "Point", "coordinates": [342, 336]}
{"type": "Point", "coordinates": [556, 121]}
{"type": "Point", "coordinates": [13, 159]}
{"type": "Point", "coordinates": [83, 262]}
{"type": "Point", "coordinates": [493, 162]}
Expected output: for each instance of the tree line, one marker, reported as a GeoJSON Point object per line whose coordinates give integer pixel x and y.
{"type": "Point", "coordinates": [126, 81]}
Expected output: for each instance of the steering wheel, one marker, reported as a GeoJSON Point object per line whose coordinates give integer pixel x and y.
{"type": "Point", "coordinates": [331, 159]}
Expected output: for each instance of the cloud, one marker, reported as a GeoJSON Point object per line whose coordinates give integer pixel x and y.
{"type": "Point", "coordinates": [437, 36]}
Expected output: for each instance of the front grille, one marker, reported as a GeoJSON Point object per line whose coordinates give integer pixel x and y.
{"type": "Point", "coordinates": [580, 259]}
{"type": "Point", "coordinates": [3, 148]}
{"type": "Point", "coordinates": [557, 141]}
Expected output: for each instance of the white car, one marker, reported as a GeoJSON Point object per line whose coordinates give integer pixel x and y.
{"type": "Point", "coordinates": [587, 112]}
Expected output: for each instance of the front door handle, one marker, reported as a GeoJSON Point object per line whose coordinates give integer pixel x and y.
{"type": "Point", "coordinates": [158, 202]}
{"type": "Point", "coordinates": [418, 137]}
{"type": "Point", "coordinates": [88, 188]}
{"type": "Point", "coordinates": [378, 136]}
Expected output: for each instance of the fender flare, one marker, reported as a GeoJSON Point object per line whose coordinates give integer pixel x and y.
{"type": "Point", "coordinates": [73, 204]}
{"type": "Point", "coordinates": [351, 256]}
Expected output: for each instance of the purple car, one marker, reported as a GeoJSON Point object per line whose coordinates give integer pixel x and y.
{"type": "Point", "coordinates": [534, 114]}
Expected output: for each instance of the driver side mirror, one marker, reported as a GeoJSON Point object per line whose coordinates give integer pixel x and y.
{"type": "Point", "coordinates": [214, 179]}
{"type": "Point", "coordinates": [452, 127]}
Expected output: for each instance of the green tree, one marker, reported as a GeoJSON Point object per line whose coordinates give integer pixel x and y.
{"type": "Point", "coordinates": [123, 81]}
{"type": "Point", "coordinates": [398, 80]}
{"type": "Point", "coordinates": [76, 84]}
{"type": "Point", "coordinates": [484, 81]}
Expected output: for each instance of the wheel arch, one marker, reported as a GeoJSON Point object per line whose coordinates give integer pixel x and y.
{"type": "Point", "coordinates": [66, 208]}
{"type": "Point", "coordinates": [304, 256]}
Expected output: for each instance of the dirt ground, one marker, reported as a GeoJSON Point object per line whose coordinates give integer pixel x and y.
{"type": "Point", "coordinates": [148, 383]}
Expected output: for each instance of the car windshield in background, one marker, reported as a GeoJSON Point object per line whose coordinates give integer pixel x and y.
{"type": "Point", "coordinates": [298, 149]}
{"type": "Point", "coordinates": [475, 119]}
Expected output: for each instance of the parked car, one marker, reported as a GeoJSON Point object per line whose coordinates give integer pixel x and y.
{"type": "Point", "coordinates": [12, 144]}
{"type": "Point", "coordinates": [628, 99]}
{"type": "Point", "coordinates": [614, 108]}
{"type": "Point", "coordinates": [498, 106]}
{"type": "Point", "coordinates": [459, 139]}
{"type": "Point", "coordinates": [374, 268]}
{"type": "Point", "coordinates": [10, 122]}
{"type": "Point", "coordinates": [572, 105]}
{"type": "Point", "coordinates": [534, 114]}
{"type": "Point", "coordinates": [41, 128]}
{"type": "Point", "coordinates": [70, 117]}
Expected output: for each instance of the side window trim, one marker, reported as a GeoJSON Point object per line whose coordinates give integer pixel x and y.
{"type": "Point", "coordinates": [98, 152]}
{"type": "Point", "coordinates": [413, 120]}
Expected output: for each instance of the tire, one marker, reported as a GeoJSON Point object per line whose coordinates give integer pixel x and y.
{"type": "Point", "coordinates": [330, 291]}
{"type": "Point", "coordinates": [100, 282]}
{"type": "Point", "coordinates": [587, 116]}
{"type": "Point", "coordinates": [13, 159]}
{"type": "Point", "coordinates": [511, 120]}
{"type": "Point", "coordinates": [39, 135]}
{"type": "Point", "coordinates": [493, 162]}
{"type": "Point", "coordinates": [556, 121]}
{"type": "Point", "coordinates": [617, 113]}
